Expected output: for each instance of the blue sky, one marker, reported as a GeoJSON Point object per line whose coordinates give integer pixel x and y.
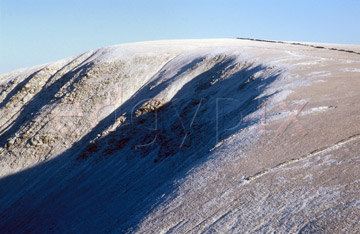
{"type": "Point", "coordinates": [39, 31]}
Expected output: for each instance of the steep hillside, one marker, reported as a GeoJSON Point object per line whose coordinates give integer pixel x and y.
{"type": "Point", "coordinates": [191, 136]}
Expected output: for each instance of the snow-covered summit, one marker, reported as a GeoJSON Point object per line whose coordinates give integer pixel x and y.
{"type": "Point", "coordinates": [183, 136]}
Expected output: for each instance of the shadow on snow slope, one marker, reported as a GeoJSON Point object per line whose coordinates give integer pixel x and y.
{"type": "Point", "coordinates": [114, 182]}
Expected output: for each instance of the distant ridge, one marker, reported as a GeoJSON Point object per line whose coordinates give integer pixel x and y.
{"type": "Point", "coordinates": [299, 44]}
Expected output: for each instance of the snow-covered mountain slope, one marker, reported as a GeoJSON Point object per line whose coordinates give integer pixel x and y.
{"type": "Point", "coordinates": [188, 136]}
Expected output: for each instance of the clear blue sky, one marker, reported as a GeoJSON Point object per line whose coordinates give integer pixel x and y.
{"type": "Point", "coordinates": [39, 31]}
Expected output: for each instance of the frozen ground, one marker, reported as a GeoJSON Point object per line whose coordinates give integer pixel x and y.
{"type": "Point", "coordinates": [184, 136]}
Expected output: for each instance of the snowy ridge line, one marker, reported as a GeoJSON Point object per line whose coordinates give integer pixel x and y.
{"type": "Point", "coordinates": [301, 44]}
{"type": "Point", "coordinates": [311, 154]}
